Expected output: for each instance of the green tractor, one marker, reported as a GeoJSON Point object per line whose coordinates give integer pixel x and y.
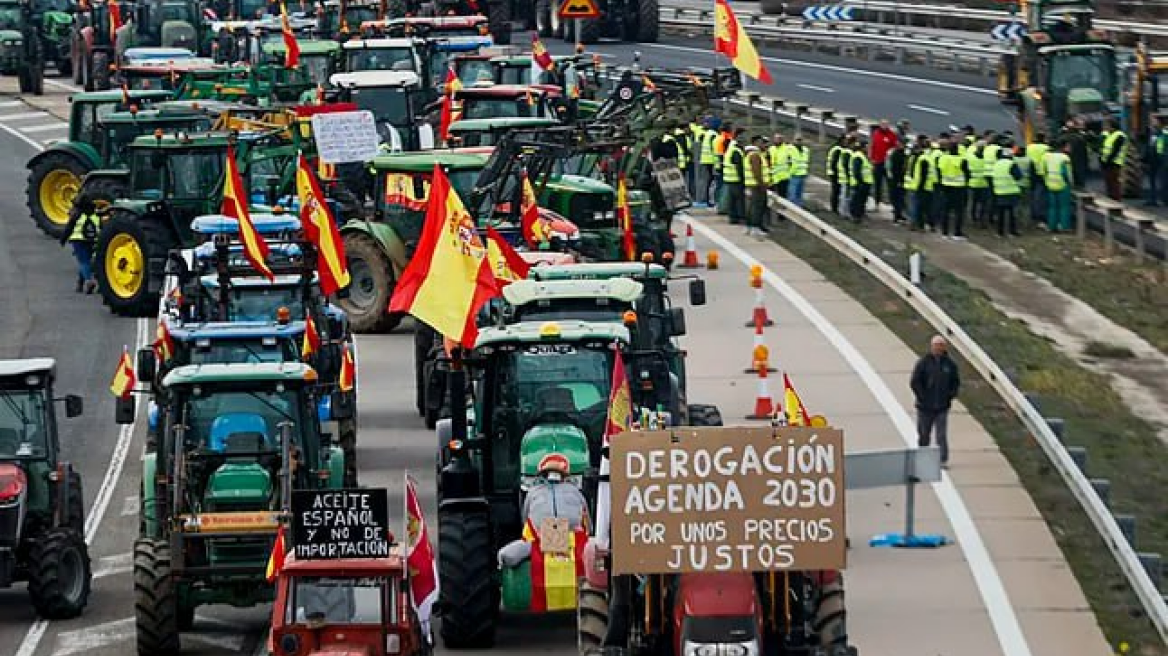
{"type": "Point", "coordinates": [319, 59]}
{"type": "Point", "coordinates": [233, 441]}
{"type": "Point", "coordinates": [42, 512]}
{"type": "Point", "coordinates": [171, 180]}
{"type": "Point", "coordinates": [163, 24]}
{"type": "Point", "coordinates": [93, 45]}
{"type": "Point", "coordinates": [21, 51]}
{"type": "Point", "coordinates": [100, 127]}
{"type": "Point", "coordinates": [55, 30]}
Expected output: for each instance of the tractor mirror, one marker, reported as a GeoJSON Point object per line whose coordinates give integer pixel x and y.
{"type": "Point", "coordinates": [342, 406]}
{"type": "Point", "coordinates": [73, 406]}
{"type": "Point", "coordinates": [676, 322]}
{"type": "Point", "coordinates": [697, 292]}
{"type": "Point", "coordinates": [124, 410]}
{"type": "Point", "coordinates": [146, 363]}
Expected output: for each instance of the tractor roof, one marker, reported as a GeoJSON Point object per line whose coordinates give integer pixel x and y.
{"type": "Point", "coordinates": [523, 292]}
{"type": "Point", "coordinates": [28, 366]}
{"type": "Point", "coordinates": [167, 66]}
{"type": "Point", "coordinates": [363, 79]}
{"type": "Point", "coordinates": [531, 332]}
{"type": "Point", "coordinates": [346, 567]}
{"type": "Point", "coordinates": [424, 161]}
{"type": "Point", "coordinates": [212, 330]}
{"type": "Point", "coordinates": [117, 95]}
{"type": "Point", "coordinates": [525, 60]}
{"type": "Point", "coordinates": [211, 281]}
{"type": "Point", "coordinates": [378, 43]}
{"type": "Point", "coordinates": [214, 224]}
{"type": "Point", "coordinates": [240, 373]}
{"type": "Point", "coordinates": [501, 123]}
{"type": "Point", "coordinates": [156, 53]}
{"type": "Point", "coordinates": [156, 114]}
{"type": "Point", "coordinates": [503, 91]}
{"type": "Point", "coordinates": [459, 42]}
{"type": "Point", "coordinates": [193, 140]}
{"type": "Point", "coordinates": [307, 47]}
{"type": "Point", "coordinates": [440, 22]}
{"type": "Point", "coordinates": [598, 271]}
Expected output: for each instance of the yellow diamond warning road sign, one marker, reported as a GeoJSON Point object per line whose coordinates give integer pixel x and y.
{"type": "Point", "coordinates": [579, 9]}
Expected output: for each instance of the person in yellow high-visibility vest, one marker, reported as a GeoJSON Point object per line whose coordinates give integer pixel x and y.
{"type": "Point", "coordinates": [733, 177]}
{"type": "Point", "coordinates": [832, 170]}
{"type": "Point", "coordinates": [979, 183]}
{"type": "Point", "coordinates": [800, 167]}
{"type": "Point", "coordinates": [707, 159]}
{"type": "Point", "coordinates": [1036, 152]}
{"type": "Point", "coordinates": [755, 180]}
{"type": "Point", "coordinates": [954, 170]}
{"type": "Point", "coordinates": [81, 235]}
{"type": "Point", "coordinates": [1058, 179]}
{"type": "Point", "coordinates": [861, 178]}
{"type": "Point", "coordinates": [1112, 153]}
{"type": "Point", "coordinates": [779, 158]}
{"type": "Point", "coordinates": [1005, 179]}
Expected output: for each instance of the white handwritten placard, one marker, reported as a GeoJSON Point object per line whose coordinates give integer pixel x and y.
{"type": "Point", "coordinates": [345, 137]}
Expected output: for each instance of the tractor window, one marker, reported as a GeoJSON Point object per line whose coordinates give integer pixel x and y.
{"type": "Point", "coordinates": [196, 174]}
{"type": "Point", "coordinates": [10, 18]}
{"type": "Point", "coordinates": [238, 351]}
{"type": "Point", "coordinates": [316, 67]}
{"type": "Point", "coordinates": [146, 172]}
{"type": "Point", "coordinates": [219, 419]}
{"type": "Point", "coordinates": [22, 424]}
{"type": "Point", "coordinates": [259, 303]}
{"type": "Point", "coordinates": [387, 104]}
{"type": "Point", "coordinates": [382, 59]}
{"type": "Point", "coordinates": [252, 8]}
{"type": "Point", "coordinates": [500, 108]}
{"type": "Point", "coordinates": [580, 309]}
{"type": "Point", "coordinates": [1083, 70]}
{"type": "Point", "coordinates": [337, 600]}
{"type": "Point", "coordinates": [472, 70]}
{"type": "Point", "coordinates": [514, 75]}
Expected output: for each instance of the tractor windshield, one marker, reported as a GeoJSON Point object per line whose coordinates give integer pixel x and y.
{"type": "Point", "coordinates": [224, 420]}
{"type": "Point", "coordinates": [337, 600]}
{"type": "Point", "coordinates": [472, 70]}
{"type": "Point", "coordinates": [238, 351]}
{"type": "Point", "coordinates": [252, 8]}
{"type": "Point", "coordinates": [387, 103]}
{"type": "Point", "coordinates": [260, 302]}
{"type": "Point", "coordinates": [501, 108]}
{"type": "Point", "coordinates": [195, 174]}
{"type": "Point", "coordinates": [316, 68]}
{"type": "Point", "coordinates": [1083, 69]}
{"type": "Point", "coordinates": [382, 59]}
{"type": "Point", "coordinates": [580, 309]}
{"type": "Point", "coordinates": [10, 18]}
{"type": "Point", "coordinates": [22, 424]}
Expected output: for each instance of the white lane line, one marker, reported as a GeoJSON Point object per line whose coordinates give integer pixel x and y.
{"type": "Point", "coordinates": [46, 127]}
{"type": "Point", "coordinates": [985, 574]}
{"type": "Point", "coordinates": [22, 136]}
{"type": "Point", "coordinates": [21, 116]}
{"type": "Point", "coordinates": [91, 638]}
{"type": "Point", "coordinates": [816, 88]}
{"type": "Point", "coordinates": [930, 110]}
{"type": "Point", "coordinates": [113, 472]}
{"type": "Point", "coordinates": [232, 642]}
{"type": "Point", "coordinates": [64, 85]}
{"type": "Point", "coordinates": [11, 103]}
{"type": "Point", "coordinates": [844, 69]}
{"type": "Point", "coordinates": [113, 565]}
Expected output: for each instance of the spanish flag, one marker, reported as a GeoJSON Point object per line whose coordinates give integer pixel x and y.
{"type": "Point", "coordinates": [730, 39]}
{"type": "Point", "coordinates": [348, 371]}
{"type": "Point", "coordinates": [124, 379]}
{"type": "Point", "coordinates": [796, 414]}
{"type": "Point", "coordinates": [235, 206]}
{"type": "Point", "coordinates": [291, 47]}
{"type": "Point", "coordinates": [554, 576]}
{"type": "Point", "coordinates": [539, 54]}
{"type": "Point", "coordinates": [533, 228]}
{"type": "Point", "coordinates": [625, 215]}
{"type": "Point", "coordinates": [508, 265]}
{"type": "Point", "coordinates": [647, 82]}
{"type": "Point", "coordinates": [115, 17]}
{"type": "Point", "coordinates": [449, 278]}
{"type": "Point", "coordinates": [164, 343]}
{"type": "Point", "coordinates": [311, 342]}
{"type": "Point", "coordinates": [278, 555]}
{"type": "Point", "coordinates": [321, 230]}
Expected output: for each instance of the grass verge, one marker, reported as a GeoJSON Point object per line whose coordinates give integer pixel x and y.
{"type": "Point", "coordinates": [1121, 447]}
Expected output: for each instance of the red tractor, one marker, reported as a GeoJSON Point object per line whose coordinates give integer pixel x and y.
{"type": "Point", "coordinates": [356, 606]}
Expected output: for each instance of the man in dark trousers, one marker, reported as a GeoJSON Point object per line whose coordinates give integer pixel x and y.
{"type": "Point", "coordinates": [935, 382]}
{"type": "Point", "coordinates": [895, 166]}
{"type": "Point", "coordinates": [734, 177]}
{"type": "Point", "coordinates": [884, 139]}
{"type": "Point", "coordinates": [833, 176]}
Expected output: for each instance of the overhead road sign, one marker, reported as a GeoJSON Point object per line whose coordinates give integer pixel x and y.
{"type": "Point", "coordinates": [579, 9]}
{"type": "Point", "coordinates": [828, 13]}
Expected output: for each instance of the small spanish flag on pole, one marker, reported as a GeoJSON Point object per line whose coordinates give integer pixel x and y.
{"type": "Point", "coordinates": [291, 47]}
{"type": "Point", "coordinates": [348, 371]}
{"type": "Point", "coordinates": [235, 206]}
{"type": "Point", "coordinates": [124, 379]}
{"type": "Point", "coordinates": [278, 555]}
{"type": "Point", "coordinates": [311, 342]}
{"type": "Point", "coordinates": [730, 39]}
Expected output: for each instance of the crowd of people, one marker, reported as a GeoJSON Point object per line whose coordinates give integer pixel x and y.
{"type": "Point", "coordinates": [939, 184]}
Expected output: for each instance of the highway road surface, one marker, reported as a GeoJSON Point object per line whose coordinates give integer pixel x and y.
{"type": "Point", "coordinates": [1003, 588]}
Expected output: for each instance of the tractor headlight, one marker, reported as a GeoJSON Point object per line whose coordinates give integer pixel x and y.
{"type": "Point", "coordinates": [11, 43]}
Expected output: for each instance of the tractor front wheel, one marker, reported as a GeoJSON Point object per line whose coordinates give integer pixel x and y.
{"type": "Point", "coordinates": [648, 21]}
{"type": "Point", "coordinates": [591, 618]}
{"type": "Point", "coordinates": [156, 612]}
{"type": "Point", "coordinates": [53, 184]}
{"type": "Point", "coordinates": [466, 566]}
{"type": "Point", "coordinates": [59, 575]}
{"type": "Point", "coordinates": [831, 615]}
{"type": "Point", "coordinates": [371, 286]}
{"type": "Point", "coordinates": [125, 246]}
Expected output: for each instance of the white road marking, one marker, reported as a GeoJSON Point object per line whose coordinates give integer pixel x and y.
{"type": "Point", "coordinates": [113, 472]}
{"type": "Point", "coordinates": [130, 506]}
{"type": "Point", "coordinates": [90, 638]}
{"type": "Point", "coordinates": [816, 88]}
{"type": "Point", "coordinates": [985, 574]}
{"type": "Point", "coordinates": [46, 127]}
{"type": "Point", "coordinates": [844, 69]}
{"type": "Point", "coordinates": [11, 103]}
{"type": "Point", "coordinates": [64, 85]}
{"type": "Point", "coordinates": [21, 116]}
{"type": "Point", "coordinates": [113, 565]}
{"type": "Point", "coordinates": [930, 110]}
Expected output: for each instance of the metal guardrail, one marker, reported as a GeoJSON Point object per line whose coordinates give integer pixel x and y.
{"type": "Point", "coordinates": [935, 50]}
{"type": "Point", "coordinates": [1150, 597]}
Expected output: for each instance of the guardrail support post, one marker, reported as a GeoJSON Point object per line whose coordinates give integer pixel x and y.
{"type": "Point", "coordinates": [751, 98]}
{"type": "Point", "coordinates": [1079, 455]}
{"type": "Point", "coordinates": [898, 55]}
{"type": "Point", "coordinates": [1103, 489]}
{"type": "Point", "coordinates": [1058, 427]}
{"type": "Point", "coordinates": [1152, 565]}
{"type": "Point", "coordinates": [824, 117]}
{"type": "Point", "coordinates": [1081, 202]}
{"type": "Point", "coordinates": [776, 105]}
{"type": "Point", "coordinates": [909, 539]}
{"type": "Point", "coordinates": [1142, 226]}
{"type": "Point", "coordinates": [1108, 236]}
{"type": "Point", "coordinates": [1127, 525]}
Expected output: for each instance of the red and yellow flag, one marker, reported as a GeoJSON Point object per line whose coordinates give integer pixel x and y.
{"type": "Point", "coordinates": [321, 229]}
{"type": "Point", "coordinates": [647, 82]}
{"type": "Point", "coordinates": [255, 248]}
{"type": "Point", "coordinates": [115, 18]}
{"type": "Point", "coordinates": [291, 47]}
{"type": "Point", "coordinates": [554, 576]}
{"type": "Point", "coordinates": [278, 555]}
{"type": "Point", "coordinates": [533, 228]}
{"type": "Point", "coordinates": [620, 402]}
{"type": "Point", "coordinates": [796, 414]}
{"type": "Point", "coordinates": [539, 54]}
{"type": "Point", "coordinates": [124, 379]}
{"type": "Point", "coordinates": [164, 343]}
{"type": "Point", "coordinates": [449, 278]}
{"type": "Point", "coordinates": [449, 115]}
{"type": "Point", "coordinates": [421, 558]}
{"type": "Point", "coordinates": [625, 215]}
{"type": "Point", "coordinates": [311, 342]}
{"type": "Point", "coordinates": [508, 265]}
{"type": "Point", "coordinates": [348, 371]}
{"type": "Point", "coordinates": [730, 39]}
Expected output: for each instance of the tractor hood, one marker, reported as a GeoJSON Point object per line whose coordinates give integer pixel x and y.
{"type": "Point", "coordinates": [10, 35]}
{"type": "Point", "coordinates": [579, 183]}
{"type": "Point", "coordinates": [545, 439]}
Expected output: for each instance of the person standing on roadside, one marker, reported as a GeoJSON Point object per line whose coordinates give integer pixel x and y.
{"type": "Point", "coordinates": [895, 165]}
{"type": "Point", "coordinates": [1157, 159]}
{"type": "Point", "coordinates": [935, 382]}
{"type": "Point", "coordinates": [1036, 152]}
{"type": "Point", "coordinates": [779, 158]}
{"type": "Point", "coordinates": [706, 161]}
{"type": "Point", "coordinates": [954, 170]}
{"type": "Point", "coordinates": [1058, 179]}
{"type": "Point", "coordinates": [1006, 177]}
{"type": "Point", "coordinates": [860, 180]}
{"type": "Point", "coordinates": [81, 235]}
{"type": "Point", "coordinates": [800, 166]}
{"type": "Point", "coordinates": [1112, 153]}
{"type": "Point", "coordinates": [733, 176]}
{"type": "Point", "coordinates": [1073, 134]}
{"type": "Point", "coordinates": [884, 139]}
{"type": "Point", "coordinates": [833, 157]}
{"type": "Point", "coordinates": [755, 180]}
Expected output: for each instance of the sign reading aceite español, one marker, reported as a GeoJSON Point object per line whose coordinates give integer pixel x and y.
{"type": "Point", "coordinates": [345, 137]}
{"type": "Point", "coordinates": [335, 524]}
{"type": "Point", "coordinates": [728, 500]}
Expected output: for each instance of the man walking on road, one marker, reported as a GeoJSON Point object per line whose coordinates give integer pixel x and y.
{"type": "Point", "coordinates": [935, 382]}
{"type": "Point", "coordinates": [884, 139]}
{"type": "Point", "coordinates": [81, 234]}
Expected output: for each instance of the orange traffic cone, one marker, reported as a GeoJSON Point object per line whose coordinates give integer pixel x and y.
{"type": "Point", "coordinates": [764, 405]}
{"type": "Point", "coordinates": [690, 261]}
{"type": "Point", "coordinates": [760, 354]}
{"type": "Point", "coordinates": [758, 316]}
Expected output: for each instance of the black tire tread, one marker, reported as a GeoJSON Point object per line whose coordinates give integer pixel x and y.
{"type": "Point", "coordinates": [363, 246]}
{"type": "Point", "coordinates": [156, 612]}
{"type": "Point", "coordinates": [591, 617]}
{"type": "Point", "coordinates": [51, 161]}
{"type": "Point", "coordinates": [466, 566]}
{"type": "Point", "coordinates": [704, 415]}
{"type": "Point", "coordinates": [156, 241]}
{"type": "Point", "coordinates": [45, 588]}
{"type": "Point", "coordinates": [831, 615]}
{"type": "Point", "coordinates": [648, 21]}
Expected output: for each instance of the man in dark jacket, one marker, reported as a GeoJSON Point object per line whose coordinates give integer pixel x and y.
{"type": "Point", "coordinates": [935, 382]}
{"type": "Point", "coordinates": [895, 167]}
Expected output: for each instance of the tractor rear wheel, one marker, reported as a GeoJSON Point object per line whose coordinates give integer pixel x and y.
{"type": "Point", "coordinates": [499, 21]}
{"type": "Point", "coordinates": [466, 566]}
{"type": "Point", "coordinates": [59, 575]}
{"type": "Point", "coordinates": [648, 21]}
{"type": "Point", "coordinates": [100, 72]}
{"type": "Point", "coordinates": [53, 184]}
{"type": "Point", "coordinates": [75, 504]}
{"type": "Point", "coordinates": [591, 617]}
{"type": "Point", "coordinates": [590, 30]}
{"type": "Point", "coordinates": [371, 286]}
{"type": "Point", "coordinates": [831, 616]}
{"type": "Point", "coordinates": [156, 612]}
{"type": "Point", "coordinates": [125, 246]}
{"type": "Point", "coordinates": [704, 415]}
{"type": "Point", "coordinates": [24, 79]}
{"type": "Point", "coordinates": [37, 78]}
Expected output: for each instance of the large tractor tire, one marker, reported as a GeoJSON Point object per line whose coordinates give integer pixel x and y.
{"type": "Point", "coordinates": [53, 185]}
{"type": "Point", "coordinates": [544, 11]}
{"type": "Point", "coordinates": [423, 343]}
{"type": "Point", "coordinates": [1133, 172]}
{"type": "Point", "coordinates": [591, 618]}
{"type": "Point", "coordinates": [831, 616]}
{"type": "Point", "coordinates": [704, 415]}
{"type": "Point", "coordinates": [24, 79]}
{"type": "Point", "coordinates": [499, 21]}
{"type": "Point", "coordinates": [37, 78]}
{"type": "Point", "coordinates": [371, 286]}
{"type": "Point", "coordinates": [59, 574]}
{"type": "Point", "coordinates": [100, 71]}
{"type": "Point", "coordinates": [590, 30]}
{"type": "Point", "coordinates": [156, 612]}
{"type": "Point", "coordinates": [648, 21]}
{"type": "Point", "coordinates": [75, 507]}
{"type": "Point", "coordinates": [466, 567]}
{"type": "Point", "coordinates": [125, 246]}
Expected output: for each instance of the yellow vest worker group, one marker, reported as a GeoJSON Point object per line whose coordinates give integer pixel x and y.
{"type": "Point", "coordinates": [865, 169]}
{"type": "Point", "coordinates": [1036, 153]}
{"type": "Point", "coordinates": [952, 173]}
{"type": "Point", "coordinates": [1004, 183]}
{"type": "Point", "coordinates": [1053, 164]}
{"type": "Point", "coordinates": [780, 159]}
{"type": "Point", "coordinates": [729, 172]}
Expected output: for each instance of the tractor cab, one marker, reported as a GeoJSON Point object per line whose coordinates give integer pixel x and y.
{"type": "Point", "coordinates": [167, 74]}
{"type": "Point", "coordinates": [319, 59]}
{"type": "Point", "coordinates": [166, 24]}
{"type": "Point", "coordinates": [505, 101]}
{"type": "Point", "coordinates": [396, 99]}
{"type": "Point", "coordinates": [384, 54]}
{"type": "Point", "coordinates": [121, 128]}
{"type": "Point", "coordinates": [486, 132]}
{"type": "Point", "coordinates": [42, 517]}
